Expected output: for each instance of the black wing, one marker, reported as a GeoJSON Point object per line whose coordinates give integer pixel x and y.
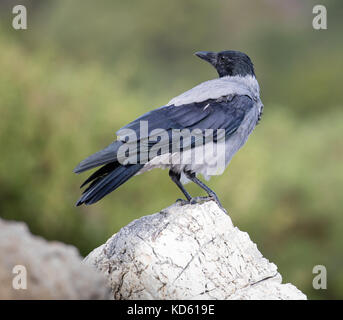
{"type": "Point", "coordinates": [225, 113]}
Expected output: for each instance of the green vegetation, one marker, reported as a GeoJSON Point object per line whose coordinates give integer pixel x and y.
{"type": "Point", "coordinates": [85, 68]}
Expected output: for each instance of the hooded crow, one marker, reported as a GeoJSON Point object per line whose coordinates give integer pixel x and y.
{"type": "Point", "coordinates": [197, 132]}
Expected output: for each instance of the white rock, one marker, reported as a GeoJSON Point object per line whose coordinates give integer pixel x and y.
{"type": "Point", "coordinates": [188, 252]}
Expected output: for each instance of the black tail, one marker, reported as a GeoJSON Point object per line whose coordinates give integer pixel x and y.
{"type": "Point", "coordinates": [107, 155]}
{"type": "Point", "coordinates": [105, 180]}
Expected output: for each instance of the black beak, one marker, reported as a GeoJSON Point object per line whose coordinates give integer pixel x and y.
{"type": "Point", "coordinates": [208, 56]}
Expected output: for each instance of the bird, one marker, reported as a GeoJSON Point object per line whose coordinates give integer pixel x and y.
{"type": "Point", "coordinates": [223, 112]}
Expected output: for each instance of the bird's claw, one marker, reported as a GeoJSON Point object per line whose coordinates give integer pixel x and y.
{"type": "Point", "coordinates": [182, 202]}
{"type": "Point", "coordinates": [222, 208]}
{"type": "Point", "coordinates": [196, 200]}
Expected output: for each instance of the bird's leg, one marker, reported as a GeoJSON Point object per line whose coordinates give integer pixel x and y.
{"type": "Point", "coordinates": [176, 178]}
{"type": "Point", "coordinates": [211, 194]}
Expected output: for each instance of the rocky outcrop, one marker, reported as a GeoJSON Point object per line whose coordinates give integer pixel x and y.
{"type": "Point", "coordinates": [188, 252]}
{"type": "Point", "coordinates": [32, 268]}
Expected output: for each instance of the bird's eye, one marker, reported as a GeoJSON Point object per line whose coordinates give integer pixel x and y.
{"type": "Point", "coordinates": [221, 59]}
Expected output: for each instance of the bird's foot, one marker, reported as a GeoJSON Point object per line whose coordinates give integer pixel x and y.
{"type": "Point", "coordinates": [222, 208]}
{"type": "Point", "coordinates": [196, 200]}
{"type": "Point", "coordinates": [216, 200]}
{"type": "Point", "coordinates": [182, 202]}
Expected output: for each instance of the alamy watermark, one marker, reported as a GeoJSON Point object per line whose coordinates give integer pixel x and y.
{"type": "Point", "coordinates": [319, 22]}
{"type": "Point", "coordinates": [19, 21]}
{"type": "Point", "coordinates": [19, 281]}
{"type": "Point", "coordinates": [175, 147]}
{"type": "Point", "coordinates": [320, 280]}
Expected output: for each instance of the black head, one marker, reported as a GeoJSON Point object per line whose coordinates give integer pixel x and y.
{"type": "Point", "coordinates": [228, 63]}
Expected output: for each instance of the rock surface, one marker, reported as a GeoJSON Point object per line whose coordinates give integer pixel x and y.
{"type": "Point", "coordinates": [188, 252]}
{"type": "Point", "coordinates": [53, 270]}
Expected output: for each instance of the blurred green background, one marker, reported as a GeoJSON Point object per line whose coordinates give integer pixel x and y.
{"type": "Point", "coordinates": [83, 69]}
